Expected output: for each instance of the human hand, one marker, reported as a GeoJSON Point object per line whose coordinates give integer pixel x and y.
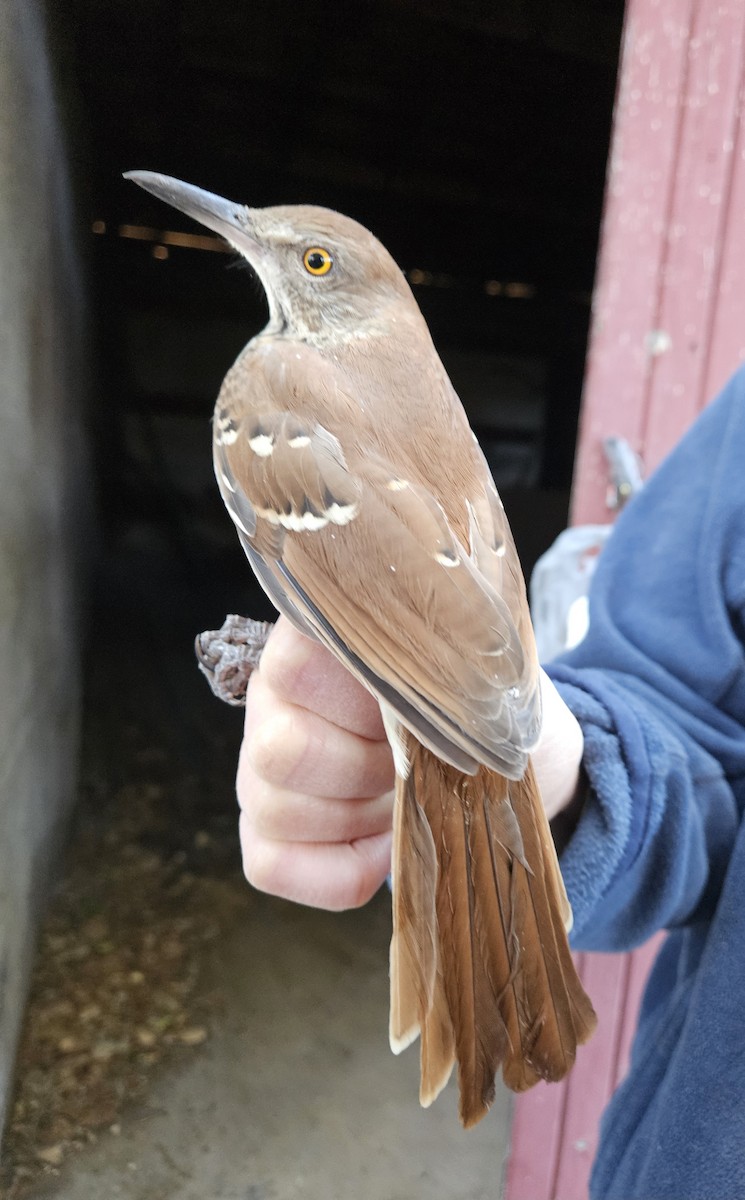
{"type": "Point", "coordinates": [316, 771]}
{"type": "Point", "coordinates": [314, 778]}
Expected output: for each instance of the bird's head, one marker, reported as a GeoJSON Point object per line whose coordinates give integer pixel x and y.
{"type": "Point", "coordinates": [325, 276]}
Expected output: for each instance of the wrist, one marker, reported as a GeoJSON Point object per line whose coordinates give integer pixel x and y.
{"type": "Point", "coordinates": [557, 758]}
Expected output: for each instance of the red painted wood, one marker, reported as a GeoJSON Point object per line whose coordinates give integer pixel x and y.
{"type": "Point", "coordinates": [639, 966]}
{"type": "Point", "coordinates": [694, 245]}
{"type": "Point", "coordinates": [535, 1143]}
{"type": "Point", "coordinates": [667, 324]}
{"type": "Point", "coordinates": [554, 1131]}
{"type": "Point", "coordinates": [592, 1079]}
{"type": "Point", "coordinates": [727, 346]}
{"type": "Point", "coordinates": [637, 206]}
{"type": "Point", "coordinates": [668, 329]}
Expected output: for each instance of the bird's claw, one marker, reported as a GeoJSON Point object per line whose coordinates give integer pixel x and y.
{"type": "Point", "coordinates": [228, 655]}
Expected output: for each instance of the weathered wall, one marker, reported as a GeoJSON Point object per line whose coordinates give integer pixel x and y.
{"type": "Point", "coordinates": [42, 496]}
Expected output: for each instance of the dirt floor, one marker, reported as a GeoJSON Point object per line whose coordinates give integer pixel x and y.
{"type": "Point", "coordinates": [188, 1038]}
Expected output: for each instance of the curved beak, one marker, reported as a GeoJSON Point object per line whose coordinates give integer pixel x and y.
{"type": "Point", "coordinates": [231, 221]}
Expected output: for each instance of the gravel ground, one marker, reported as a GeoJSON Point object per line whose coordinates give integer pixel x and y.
{"type": "Point", "coordinates": [186, 1037]}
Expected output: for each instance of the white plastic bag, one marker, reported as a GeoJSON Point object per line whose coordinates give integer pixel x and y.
{"type": "Point", "coordinates": [559, 586]}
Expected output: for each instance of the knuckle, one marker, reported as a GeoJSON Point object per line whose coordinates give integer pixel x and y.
{"type": "Point", "coordinates": [373, 857]}
{"type": "Point", "coordinates": [284, 660]}
{"type": "Point", "coordinates": [255, 802]}
{"type": "Point", "coordinates": [342, 892]}
{"type": "Point", "coordinates": [269, 812]}
{"type": "Point", "coordinates": [260, 862]}
{"type": "Point", "coordinates": [274, 745]}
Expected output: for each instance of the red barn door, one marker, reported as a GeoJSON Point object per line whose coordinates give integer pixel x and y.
{"type": "Point", "coordinates": [668, 329]}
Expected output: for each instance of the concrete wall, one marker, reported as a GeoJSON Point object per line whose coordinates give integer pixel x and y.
{"type": "Point", "coordinates": [43, 496]}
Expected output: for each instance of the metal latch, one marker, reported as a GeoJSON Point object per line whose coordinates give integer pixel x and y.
{"type": "Point", "coordinates": [625, 472]}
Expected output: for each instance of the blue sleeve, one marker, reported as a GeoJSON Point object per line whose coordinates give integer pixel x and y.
{"type": "Point", "coordinates": [658, 686]}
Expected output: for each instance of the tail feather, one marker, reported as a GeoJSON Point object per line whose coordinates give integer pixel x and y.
{"type": "Point", "coordinates": [413, 958]}
{"type": "Point", "coordinates": [568, 1019]}
{"type": "Point", "coordinates": [479, 959]}
{"type": "Point", "coordinates": [438, 1045]}
{"type": "Point", "coordinates": [418, 1000]}
{"type": "Point", "coordinates": [466, 941]}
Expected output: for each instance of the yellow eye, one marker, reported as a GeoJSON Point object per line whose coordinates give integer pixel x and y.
{"type": "Point", "coordinates": [318, 261]}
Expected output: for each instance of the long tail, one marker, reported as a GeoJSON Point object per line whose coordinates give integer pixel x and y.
{"type": "Point", "coordinates": [480, 962]}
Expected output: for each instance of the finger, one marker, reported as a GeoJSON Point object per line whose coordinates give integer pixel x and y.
{"type": "Point", "coordinates": [293, 748]}
{"type": "Point", "coordinates": [282, 815]}
{"type": "Point", "coordinates": [335, 876]}
{"type": "Point", "coordinates": [306, 673]}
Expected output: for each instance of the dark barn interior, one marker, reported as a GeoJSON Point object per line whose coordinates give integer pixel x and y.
{"type": "Point", "coordinates": [472, 138]}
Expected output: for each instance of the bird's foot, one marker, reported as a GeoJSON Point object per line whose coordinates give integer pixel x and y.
{"type": "Point", "coordinates": [227, 656]}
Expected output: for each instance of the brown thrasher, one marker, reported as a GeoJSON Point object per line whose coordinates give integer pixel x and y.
{"type": "Point", "coordinates": [367, 510]}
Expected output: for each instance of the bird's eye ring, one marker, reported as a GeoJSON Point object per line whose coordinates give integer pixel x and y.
{"type": "Point", "coordinates": [318, 261]}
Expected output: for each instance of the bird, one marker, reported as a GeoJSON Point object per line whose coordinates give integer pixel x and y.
{"type": "Point", "coordinates": [368, 513]}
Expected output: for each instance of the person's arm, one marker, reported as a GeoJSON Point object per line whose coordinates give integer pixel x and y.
{"type": "Point", "coordinates": [658, 686]}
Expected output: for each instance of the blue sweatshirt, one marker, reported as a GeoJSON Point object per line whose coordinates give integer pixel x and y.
{"type": "Point", "coordinates": [659, 688]}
